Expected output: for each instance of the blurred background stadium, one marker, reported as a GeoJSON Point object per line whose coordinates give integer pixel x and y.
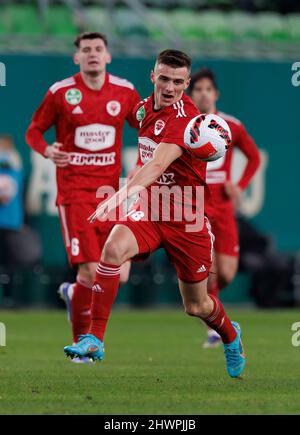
{"type": "Point", "coordinates": [250, 44]}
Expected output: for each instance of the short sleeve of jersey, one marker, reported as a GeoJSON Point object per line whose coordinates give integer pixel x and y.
{"type": "Point", "coordinates": [174, 131]}
{"type": "Point", "coordinates": [132, 106]}
{"type": "Point", "coordinates": [136, 107]}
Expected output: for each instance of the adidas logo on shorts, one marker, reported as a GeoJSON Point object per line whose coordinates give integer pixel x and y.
{"type": "Point", "coordinates": [202, 268]}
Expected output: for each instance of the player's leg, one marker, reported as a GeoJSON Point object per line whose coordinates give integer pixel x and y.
{"type": "Point", "coordinates": [191, 254]}
{"type": "Point", "coordinates": [209, 308]}
{"type": "Point", "coordinates": [131, 238]}
{"type": "Point", "coordinates": [227, 266]}
{"type": "Point", "coordinates": [124, 272]}
{"type": "Point", "coordinates": [83, 244]}
{"type": "Point", "coordinates": [224, 272]}
{"type": "Point", "coordinates": [226, 248]}
{"type": "Point", "coordinates": [120, 246]}
{"type": "Point", "coordinates": [226, 252]}
{"type": "Point", "coordinates": [212, 284]}
{"type": "Point", "coordinates": [78, 296]}
{"type": "Point", "coordinates": [198, 303]}
{"type": "Point", "coordinates": [82, 298]}
{"type": "Point", "coordinates": [213, 339]}
{"type": "Point", "coordinates": [66, 289]}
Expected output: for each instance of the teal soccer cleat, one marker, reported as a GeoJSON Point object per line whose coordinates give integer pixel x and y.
{"type": "Point", "coordinates": [88, 346]}
{"type": "Point", "coordinates": [234, 354]}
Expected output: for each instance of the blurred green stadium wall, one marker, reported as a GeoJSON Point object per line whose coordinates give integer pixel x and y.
{"type": "Point", "coordinates": [259, 93]}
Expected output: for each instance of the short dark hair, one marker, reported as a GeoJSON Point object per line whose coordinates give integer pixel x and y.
{"type": "Point", "coordinates": [175, 59]}
{"type": "Point", "coordinates": [203, 73]}
{"type": "Point", "coordinates": [90, 35]}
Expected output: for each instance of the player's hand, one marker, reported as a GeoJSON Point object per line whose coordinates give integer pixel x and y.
{"type": "Point", "coordinates": [234, 192]}
{"type": "Point", "coordinates": [104, 210]}
{"type": "Point", "coordinates": [58, 157]}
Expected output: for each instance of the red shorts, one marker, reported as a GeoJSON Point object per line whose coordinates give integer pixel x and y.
{"type": "Point", "coordinates": [83, 241]}
{"type": "Point", "coordinates": [189, 252]}
{"type": "Point", "coordinates": [224, 228]}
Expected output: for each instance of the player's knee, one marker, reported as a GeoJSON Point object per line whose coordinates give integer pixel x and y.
{"type": "Point", "coordinates": [198, 309]}
{"type": "Point", "coordinates": [86, 273]}
{"type": "Point", "coordinates": [124, 274]}
{"type": "Point", "coordinates": [226, 276]}
{"type": "Point", "coordinates": [113, 253]}
{"type": "Point", "coordinates": [191, 310]}
{"type": "Point", "coordinates": [123, 279]}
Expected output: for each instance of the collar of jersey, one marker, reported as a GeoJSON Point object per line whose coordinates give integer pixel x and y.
{"type": "Point", "coordinates": [79, 80]}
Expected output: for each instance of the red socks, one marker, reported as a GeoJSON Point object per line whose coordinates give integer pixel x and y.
{"type": "Point", "coordinates": [81, 308]}
{"type": "Point", "coordinates": [104, 292]}
{"type": "Point", "coordinates": [213, 288]}
{"type": "Point", "coordinates": [220, 322]}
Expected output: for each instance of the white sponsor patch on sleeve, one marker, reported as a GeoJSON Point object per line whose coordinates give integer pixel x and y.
{"type": "Point", "coordinates": [146, 149]}
{"type": "Point", "coordinates": [95, 137]}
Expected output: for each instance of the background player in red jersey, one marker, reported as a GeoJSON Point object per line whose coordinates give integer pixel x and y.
{"type": "Point", "coordinates": [226, 195]}
{"type": "Point", "coordinates": [167, 161]}
{"type": "Point", "coordinates": [88, 111]}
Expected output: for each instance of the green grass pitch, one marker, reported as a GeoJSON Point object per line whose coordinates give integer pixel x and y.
{"type": "Point", "coordinates": [154, 365]}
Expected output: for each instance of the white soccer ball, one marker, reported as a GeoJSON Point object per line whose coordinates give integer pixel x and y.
{"type": "Point", "coordinates": [208, 137]}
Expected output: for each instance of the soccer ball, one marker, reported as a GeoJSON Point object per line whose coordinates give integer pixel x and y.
{"type": "Point", "coordinates": [208, 137]}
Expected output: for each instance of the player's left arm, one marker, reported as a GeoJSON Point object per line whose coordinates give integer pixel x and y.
{"type": "Point", "coordinates": [249, 148]}
{"type": "Point", "coordinates": [163, 156]}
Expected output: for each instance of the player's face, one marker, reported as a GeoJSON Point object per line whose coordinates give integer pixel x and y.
{"type": "Point", "coordinates": [92, 56]}
{"type": "Point", "coordinates": [205, 95]}
{"type": "Point", "coordinates": [169, 84]}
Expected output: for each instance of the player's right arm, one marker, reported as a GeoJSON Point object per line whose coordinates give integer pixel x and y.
{"type": "Point", "coordinates": [249, 148]}
{"type": "Point", "coordinates": [44, 118]}
{"type": "Point", "coordinates": [164, 155]}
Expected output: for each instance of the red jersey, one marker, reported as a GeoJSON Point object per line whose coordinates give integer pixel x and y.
{"type": "Point", "coordinates": [89, 124]}
{"type": "Point", "coordinates": [168, 125]}
{"type": "Point", "coordinates": [219, 171]}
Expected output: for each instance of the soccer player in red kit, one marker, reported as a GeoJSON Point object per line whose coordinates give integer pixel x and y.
{"type": "Point", "coordinates": [168, 162]}
{"type": "Point", "coordinates": [226, 195]}
{"type": "Point", "coordinates": [88, 111]}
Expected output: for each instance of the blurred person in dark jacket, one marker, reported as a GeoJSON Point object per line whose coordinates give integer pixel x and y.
{"type": "Point", "coordinates": [11, 186]}
{"type": "Point", "coordinates": [19, 245]}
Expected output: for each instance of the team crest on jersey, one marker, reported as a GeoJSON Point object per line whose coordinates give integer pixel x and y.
{"type": "Point", "coordinates": [141, 113]}
{"type": "Point", "coordinates": [113, 108]}
{"type": "Point", "coordinates": [159, 126]}
{"type": "Point", "coordinates": [73, 96]}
